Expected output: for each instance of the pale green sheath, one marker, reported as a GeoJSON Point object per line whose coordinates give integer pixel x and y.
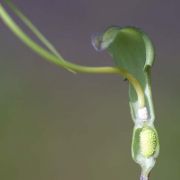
{"type": "Point", "coordinates": [132, 50]}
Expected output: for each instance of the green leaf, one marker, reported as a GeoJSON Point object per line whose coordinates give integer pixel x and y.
{"type": "Point", "coordinates": [132, 50]}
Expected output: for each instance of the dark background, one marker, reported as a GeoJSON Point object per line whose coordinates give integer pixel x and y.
{"type": "Point", "coordinates": [55, 125]}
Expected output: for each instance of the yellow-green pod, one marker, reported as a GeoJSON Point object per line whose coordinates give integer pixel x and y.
{"type": "Point", "coordinates": [145, 148]}
{"type": "Point", "coordinates": [148, 141]}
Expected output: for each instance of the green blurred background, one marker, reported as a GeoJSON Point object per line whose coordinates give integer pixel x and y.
{"type": "Point", "coordinates": [55, 125]}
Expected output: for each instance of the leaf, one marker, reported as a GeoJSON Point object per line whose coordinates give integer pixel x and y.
{"type": "Point", "coordinates": [132, 50]}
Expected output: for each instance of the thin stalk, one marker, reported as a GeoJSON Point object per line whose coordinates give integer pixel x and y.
{"type": "Point", "coordinates": [59, 61]}
{"type": "Point", "coordinates": [35, 30]}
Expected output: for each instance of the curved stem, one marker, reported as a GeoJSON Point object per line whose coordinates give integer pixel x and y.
{"type": "Point", "coordinates": [59, 61]}
{"type": "Point", "coordinates": [135, 83]}
{"type": "Point", "coordinates": [35, 30]}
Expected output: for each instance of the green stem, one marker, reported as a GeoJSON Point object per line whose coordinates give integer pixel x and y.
{"type": "Point", "coordinates": [30, 25]}
{"type": "Point", "coordinates": [59, 61]}
{"type": "Point", "coordinates": [35, 30]}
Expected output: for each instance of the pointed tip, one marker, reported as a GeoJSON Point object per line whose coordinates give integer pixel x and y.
{"type": "Point", "coordinates": [96, 40]}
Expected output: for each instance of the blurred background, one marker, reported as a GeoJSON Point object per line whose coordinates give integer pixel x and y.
{"type": "Point", "coordinates": [55, 125]}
